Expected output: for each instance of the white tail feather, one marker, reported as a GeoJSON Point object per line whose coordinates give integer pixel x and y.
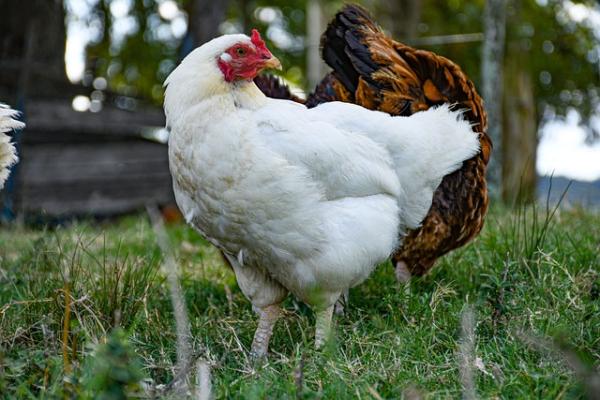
{"type": "Point", "coordinates": [8, 153]}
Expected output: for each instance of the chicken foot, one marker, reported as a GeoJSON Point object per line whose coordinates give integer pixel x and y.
{"type": "Point", "coordinates": [268, 316]}
{"type": "Point", "coordinates": [323, 326]}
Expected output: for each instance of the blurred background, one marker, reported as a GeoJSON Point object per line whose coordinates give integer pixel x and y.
{"type": "Point", "coordinates": [87, 75]}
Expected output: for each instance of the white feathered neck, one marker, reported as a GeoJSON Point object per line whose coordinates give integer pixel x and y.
{"type": "Point", "coordinates": [198, 79]}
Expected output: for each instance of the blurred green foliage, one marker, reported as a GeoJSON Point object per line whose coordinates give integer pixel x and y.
{"type": "Point", "coordinates": [115, 370]}
{"type": "Point", "coordinates": [560, 53]}
{"type": "Point", "coordinates": [556, 40]}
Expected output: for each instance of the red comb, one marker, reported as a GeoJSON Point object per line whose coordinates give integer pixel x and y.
{"type": "Point", "coordinates": [258, 42]}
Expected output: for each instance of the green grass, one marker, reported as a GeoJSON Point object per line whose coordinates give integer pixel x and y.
{"type": "Point", "coordinates": [523, 280]}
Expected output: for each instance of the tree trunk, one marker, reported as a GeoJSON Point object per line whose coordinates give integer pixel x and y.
{"type": "Point", "coordinates": [315, 25]}
{"type": "Point", "coordinates": [245, 15]}
{"type": "Point", "coordinates": [32, 48]}
{"type": "Point", "coordinates": [492, 78]}
{"type": "Point", "coordinates": [205, 16]}
{"type": "Point", "coordinates": [400, 17]}
{"type": "Point", "coordinates": [519, 138]}
{"type": "Point", "coordinates": [406, 16]}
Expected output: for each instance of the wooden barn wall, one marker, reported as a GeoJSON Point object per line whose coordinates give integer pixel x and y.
{"type": "Point", "coordinates": [97, 176]}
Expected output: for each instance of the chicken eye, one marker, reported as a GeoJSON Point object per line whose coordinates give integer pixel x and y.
{"type": "Point", "coordinates": [240, 51]}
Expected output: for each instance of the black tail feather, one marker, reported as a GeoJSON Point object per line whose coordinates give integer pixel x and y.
{"type": "Point", "coordinates": [323, 93]}
{"type": "Point", "coordinates": [274, 88]}
{"type": "Point", "coordinates": [344, 48]}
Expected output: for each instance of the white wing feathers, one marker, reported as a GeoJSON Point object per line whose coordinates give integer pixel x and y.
{"type": "Point", "coordinates": [355, 152]}
{"type": "Point", "coordinates": [8, 155]}
{"type": "Point", "coordinates": [425, 147]}
{"type": "Point", "coordinates": [344, 164]}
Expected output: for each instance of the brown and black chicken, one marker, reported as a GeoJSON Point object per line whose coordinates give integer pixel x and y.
{"type": "Point", "coordinates": [372, 70]}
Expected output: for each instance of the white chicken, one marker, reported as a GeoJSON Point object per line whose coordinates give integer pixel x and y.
{"type": "Point", "coordinates": [307, 201]}
{"type": "Point", "coordinates": [8, 154]}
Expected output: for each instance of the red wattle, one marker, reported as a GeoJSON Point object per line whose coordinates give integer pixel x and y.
{"type": "Point", "coordinates": [227, 70]}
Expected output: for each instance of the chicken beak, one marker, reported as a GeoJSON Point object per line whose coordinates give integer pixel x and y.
{"type": "Point", "coordinates": [272, 62]}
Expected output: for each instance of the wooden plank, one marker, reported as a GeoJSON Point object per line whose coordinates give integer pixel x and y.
{"type": "Point", "coordinates": [59, 116]}
{"type": "Point", "coordinates": [55, 163]}
{"type": "Point", "coordinates": [116, 187]}
{"type": "Point", "coordinates": [160, 188]}
{"type": "Point", "coordinates": [90, 199]}
{"type": "Point", "coordinates": [31, 137]}
{"type": "Point", "coordinates": [99, 179]}
{"type": "Point", "coordinates": [92, 206]}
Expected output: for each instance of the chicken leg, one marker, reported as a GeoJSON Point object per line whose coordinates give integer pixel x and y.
{"type": "Point", "coordinates": [266, 295]}
{"type": "Point", "coordinates": [342, 303]}
{"type": "Point", "coordinates": [323, 326]}
{"type": "Point", "coordinates": [268, 316]}
{"type": "Point", "coordinates": [403, 274]}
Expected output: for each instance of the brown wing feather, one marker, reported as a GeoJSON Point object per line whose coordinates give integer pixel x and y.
{"type": "Point", "coordinates": [329, 89]}
{"type": "Point", "coordinates": [379, 73]}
